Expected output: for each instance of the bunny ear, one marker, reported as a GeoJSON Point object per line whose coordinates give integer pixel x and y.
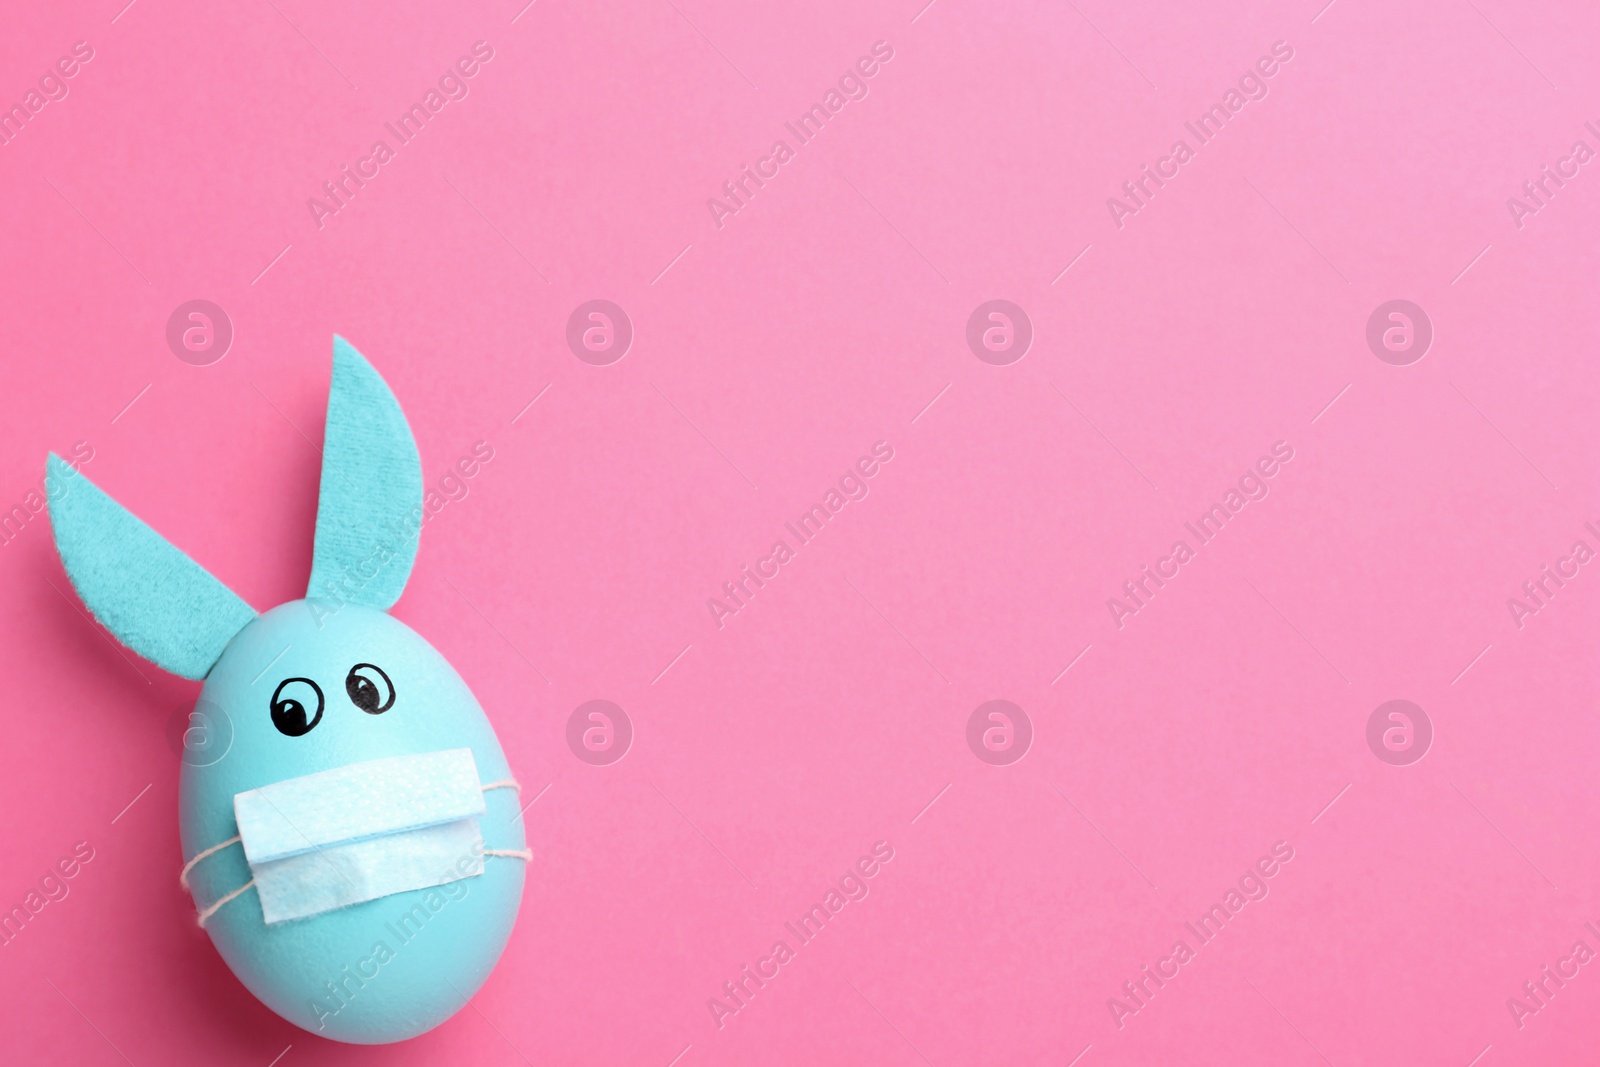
{"type": "Point", "coordinates": [158, 601]}
{"type": "Point", "coordinates": [369, 510]}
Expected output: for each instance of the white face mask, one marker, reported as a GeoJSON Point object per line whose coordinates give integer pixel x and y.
{"type": "Point", "coordinates": [362, 831]}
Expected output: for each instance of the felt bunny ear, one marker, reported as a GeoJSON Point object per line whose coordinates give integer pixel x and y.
{"type": "Point", "coordinates": [369, 510]}
{"type": "Point", "coordinates": [158, 601]}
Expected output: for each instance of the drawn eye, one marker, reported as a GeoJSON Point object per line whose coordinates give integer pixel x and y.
{"type": "Point", "coordinates": [290, 702]}
{"type": "Point", "coordinates": [369, 688]}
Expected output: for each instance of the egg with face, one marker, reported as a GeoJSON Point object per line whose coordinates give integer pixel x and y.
{"type": "Point", "coordinates": [352, 835]}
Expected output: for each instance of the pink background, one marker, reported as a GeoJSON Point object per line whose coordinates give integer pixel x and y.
{"type": "Point", "coordinates": [823, 317]}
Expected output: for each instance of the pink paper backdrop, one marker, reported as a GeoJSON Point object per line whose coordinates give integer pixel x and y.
{"type": "Point", "coordinates": [1176, 341]}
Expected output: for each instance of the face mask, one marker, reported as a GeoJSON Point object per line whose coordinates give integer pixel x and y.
{"type": "Point", "coordinates": [360, 832]}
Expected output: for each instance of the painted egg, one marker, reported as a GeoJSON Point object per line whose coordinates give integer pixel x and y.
{"type": "Point", "coordinates": [383, 969]}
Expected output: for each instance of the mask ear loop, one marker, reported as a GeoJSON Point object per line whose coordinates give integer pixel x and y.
{"type": "Point", "coordinates": [525, 854]}
{"type": "Point", "coordinates": [212, 910]}
{"type": "Point", "coordinates": [183, 879]}
{"type": "Point", "coordinates": [183, 875]}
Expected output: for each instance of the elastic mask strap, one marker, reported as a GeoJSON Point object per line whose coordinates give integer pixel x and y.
{"type": "Point", "coordinates": [183, 875]}
{"type": "Point", "coordinates": [525, 854]}
{"type": "Point", "coordinates": [512, 853]}
{"type": "Point", "coordinates": [204, 915]}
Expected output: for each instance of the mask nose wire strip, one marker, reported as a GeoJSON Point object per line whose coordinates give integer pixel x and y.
{"type": "Point", "coordinates": [212, 910]}
{"type": "Point", "coordinates": [509, 783]}
{"type": "Point", "coordinates": [183, 875]}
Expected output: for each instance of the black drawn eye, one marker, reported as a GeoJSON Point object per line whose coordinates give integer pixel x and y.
{"type": "Point", "coordinates": [369, 688]}
{"type": "Point", "coordinates": [290, 702]}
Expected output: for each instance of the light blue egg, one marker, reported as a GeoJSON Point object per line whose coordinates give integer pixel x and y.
{"type": "Point", "coordinates": [315, 685]}
{"type": "Point", "coordinates": [385, 969]}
